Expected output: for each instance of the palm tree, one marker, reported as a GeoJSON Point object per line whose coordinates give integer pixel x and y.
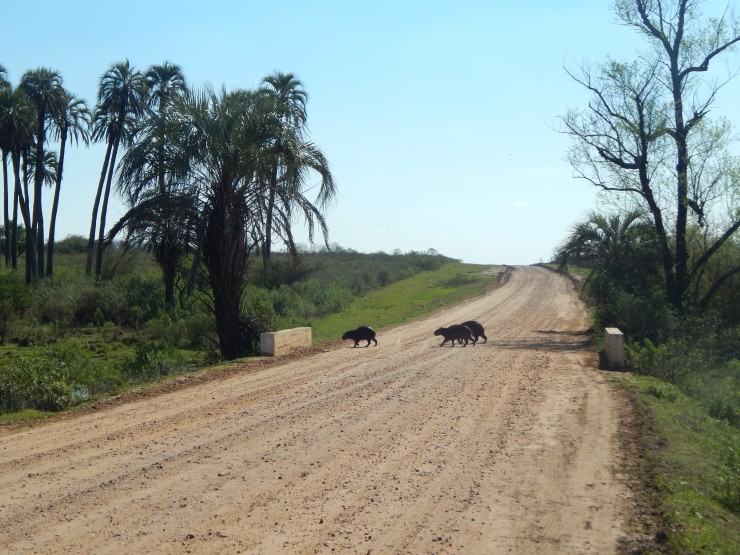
{"type": "Point", "coordinates": [164, 83]}
{"type": "Point", "coordinates": [223, 134]}
{"type": "Point", "coordinates": [72, 122]}
{"type": "Point", "coordinates": [16, 136]}
{"type": "Point", "coordinates": [121, 96]}
{"type": "Point", "coordinates": [5, 99]}
{"type": "Point", "coordinates": [287, 159]}
{"type": "Point", "coordinates": [5, 89]}
{"type": "Point", "coordinates": [4, 83]}
{"type": "Point", "coordinates": [150, 177]}
{"type": "Point", "coordinates": [153, 180]}
{"type": "Point", "coordinates": [44, 88]}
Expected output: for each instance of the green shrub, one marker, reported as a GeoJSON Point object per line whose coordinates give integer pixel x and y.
{"type": "Point", "coordinates": [15, 299]}
{"type": "Point", "coordinates": [152, 361]}
{"type": "Point", "coordinates": [55, 379]}
{"type": "Point", "coordinates": [72, 244]}
{"type": "Point", "coordinates": [257, 316]}
{"type": "Point", "coordinates": [36, 384]}
{"type": "Point", "coordinates": [728, 481]}
{"type": "Point", "coordinates": [166, 329]}
{"type": "Point", "coordinates": [664, 391]}
{"type": "Point", "coordinates": [200, 331]}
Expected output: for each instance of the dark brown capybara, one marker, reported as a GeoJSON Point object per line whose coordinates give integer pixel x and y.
{"type": "Point", "coordinates": [362, 333]}
{"type": "Point", "coordinates": [455, 332]}
{"type": "Point", "coordinates": [477, 330]}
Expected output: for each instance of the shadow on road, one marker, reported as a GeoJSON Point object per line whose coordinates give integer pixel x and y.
{"type": "Point", "coordinates": [552, 340]}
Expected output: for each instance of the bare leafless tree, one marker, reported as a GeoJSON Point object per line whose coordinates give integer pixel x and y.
{"type": "Point", "coordinates": [646, 133]}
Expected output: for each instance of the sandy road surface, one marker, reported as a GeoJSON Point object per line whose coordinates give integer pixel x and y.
{"type": "Point", "coordinates": [408, 447]}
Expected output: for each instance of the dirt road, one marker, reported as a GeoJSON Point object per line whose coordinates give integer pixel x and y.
{"type": "Point", "coordinates": [506, 447]}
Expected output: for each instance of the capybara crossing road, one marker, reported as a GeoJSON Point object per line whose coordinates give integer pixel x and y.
{"type": "Point", "coordinates": [477, 330]}
{"type": "Point", "coordinates": [363, 333]}
{"type": "Point", "coordinates": [455, 333]}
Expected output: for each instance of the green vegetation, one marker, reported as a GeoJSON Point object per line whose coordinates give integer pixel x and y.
{"type": "Point", "coordinates": [407, 299]}
{"type": "Point", "coordinates": [694, 460]}
{"type": "Point", "coordinates": [211, 180]}
{"type": "Point", "coordinates": [664, 267]}
{"type": "Point", "coordinates": [79, 340]}
{"type": "Point", "coordinates": [686, 390]}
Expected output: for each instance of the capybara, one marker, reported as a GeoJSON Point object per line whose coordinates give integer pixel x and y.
{"type": "Point", "coordinates": [477, 330]}
{"type": "Point", "coordinates": [363, 332]}
{"type": "Point", "coordinates": [455, 332]}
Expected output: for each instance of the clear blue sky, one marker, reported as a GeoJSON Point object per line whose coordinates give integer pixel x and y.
{"type": "Point", "coordinates": [438, 117]}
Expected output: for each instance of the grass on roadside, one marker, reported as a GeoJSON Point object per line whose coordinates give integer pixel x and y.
{"type": "Point", "coordinates": [408, 299]}
{"type": "Point", "coordinates": [695, 466]}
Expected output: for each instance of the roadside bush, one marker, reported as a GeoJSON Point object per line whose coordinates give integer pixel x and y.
{"type": "Point", "coordinates": [697, 368]}
{"type": "Point", "coordinates": [34, 383]}
{"type": "Point", "coordinates": [14, 301]}
{"type": "Point", "coordinates": [728, 481]}
{"type": "Point", "coordinates": [258, 316]}
{"type": "Point", "coordinates": [166, 329]}
{"type": "Point", "coordinates": [644, 316]}
{"type": "Point", "coordinates": [54, 380]}
{"type": "Point", "coordinates": [664, 391]}
{"type": "Point", "coordinates": [153, 360]}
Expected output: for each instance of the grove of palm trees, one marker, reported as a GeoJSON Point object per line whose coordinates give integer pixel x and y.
{"type": "Point", "coordinates": [210, 178]}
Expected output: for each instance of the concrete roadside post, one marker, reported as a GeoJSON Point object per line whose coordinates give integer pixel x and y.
{"type": "Point", "coordinates": [276, 343]}
{"type": "Point", "coordinates": [614, 347]}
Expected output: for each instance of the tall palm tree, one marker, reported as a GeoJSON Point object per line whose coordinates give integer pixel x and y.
{"type": "Point", "coordinates": [150, 177]}
{"type": "Point", "coordinates": [121, 97]}
{"type": "Point", "coordinates": [4, 152]}
{"type": "Point", "coordinates": [16, 136]}
{"type": "Point", "coordinates": [44, 88]}
{"type": "Point", "coordinates": [72, 122]}
{"type": "Point", "coordinates": [164, 83]}
{"type": "Point", "coordinates": [6, 93]}
{"type": "Point", "coordinates": [223, 133]}
{"type": "Point", "coordinates": [153, 180]}
{"type": "Point", "coordinates": [287, 159]}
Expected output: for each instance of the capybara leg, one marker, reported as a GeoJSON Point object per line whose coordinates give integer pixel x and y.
{"type": "Point", "coordinates": [376, 342]}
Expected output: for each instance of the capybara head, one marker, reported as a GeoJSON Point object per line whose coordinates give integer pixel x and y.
{"type": "Point", "coordinates": [439, 331]}
{"type": "Point", "coordinates": [347, 335]}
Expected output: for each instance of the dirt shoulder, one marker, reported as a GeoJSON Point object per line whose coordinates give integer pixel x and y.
{"type": "Point", "coordinates": [407, 447]}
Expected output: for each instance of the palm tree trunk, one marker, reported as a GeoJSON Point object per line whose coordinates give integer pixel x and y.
{"type": "Point", "coordinates": [94, 219]}
{"type": "Point", "coordinates": [55, 205]}
{"type": "Point", "coordinates": [39, 234]}
{"type": "Point", "coordinates": [38, 185]}
{"type": "Point", "coordinates": [6, 205]}
{"type": "Point", "coordinates": [25, 213]}
{"type": "Point", "coordinates": [104, 212]}
{"type": "Point", "coordinates": [14, 232]}
{"type": "Point", "coordinates": [225, 256]}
